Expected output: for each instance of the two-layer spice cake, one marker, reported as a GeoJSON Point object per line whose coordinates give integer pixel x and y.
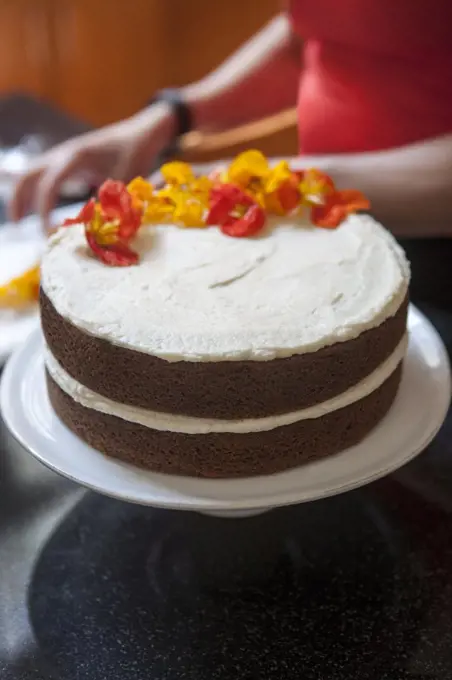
{"type": "Point", "coordinates": [269, 334]}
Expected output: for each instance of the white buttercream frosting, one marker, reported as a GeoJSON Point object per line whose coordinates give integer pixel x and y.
{"type": "Point", "coordinates": [168, 422]}
{"type": "Point", "coordinates": [198, 295]}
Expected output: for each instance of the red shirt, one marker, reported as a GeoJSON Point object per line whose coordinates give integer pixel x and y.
{"type": "Point", "coordinates": [376, 74]}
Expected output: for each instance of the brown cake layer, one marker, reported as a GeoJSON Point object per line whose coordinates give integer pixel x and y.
{"type": "Point", "coordinates": [226, 454]}
{"type": "Point", "coordinates": [227, 389]}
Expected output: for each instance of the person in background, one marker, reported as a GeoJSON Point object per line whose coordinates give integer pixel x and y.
{"type": "Point", "coordinates": [374, 91]}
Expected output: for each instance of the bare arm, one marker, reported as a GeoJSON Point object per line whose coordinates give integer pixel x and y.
{"type": "Point", "coordinates": [410, 188]}
{"type": "Point", "coordinates": [259, 79]}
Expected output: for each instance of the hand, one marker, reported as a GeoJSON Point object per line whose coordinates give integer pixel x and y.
{"type": "Point", "coordinates": [122, 151]}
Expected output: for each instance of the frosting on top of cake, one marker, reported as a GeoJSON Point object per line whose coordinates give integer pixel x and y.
{"type": "Point", "coordinates": [198, 295]}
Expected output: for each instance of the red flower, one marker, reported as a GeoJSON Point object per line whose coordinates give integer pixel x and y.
{"type": "Point", "coordinates": [250, 224]}
{"type": "Point", "coordinates": [289, 194]}
{"type": "Point", "coordinates": [235, 211]}
{"type": "Point", "coordinates": [85, 215]}
{"type": "Point", "coordinates": [338, 205]}
{"type": "Point", "coordinates": [110, 224]}
{"type": "Point", "coordinates": [113, 254]}
{"type": "Point", "coordinates": [117, 204]}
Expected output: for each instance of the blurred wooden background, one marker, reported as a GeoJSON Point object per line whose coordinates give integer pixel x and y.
{"type": "Point", "coordinates": [101, 60]}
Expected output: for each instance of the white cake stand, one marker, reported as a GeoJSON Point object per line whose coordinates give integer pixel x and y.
{"type": "Point", "coordinates": [412, 422]}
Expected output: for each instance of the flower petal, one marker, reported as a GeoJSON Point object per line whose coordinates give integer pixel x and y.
{"type": "Point", "coordinates": [177, 173]}
{"type": "Point", "coordinates": [353, 199]}
{"type": "Point", "coordinates": [140, 189]}
{"type": "Point", "coordinates": [247, 166]}
{"type": "Point", "coordinates": [85, 215]}
{"type": "Point", "coordinates": [328, 216]}
{"type": "Point", "coordinates": [251, 223]}
{"type": "Point", "coordinates": [279, 174]}
{"type": "Point", "coordinates": [114, 255]}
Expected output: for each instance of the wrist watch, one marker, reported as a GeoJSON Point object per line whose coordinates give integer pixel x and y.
{"type": "Point", "coordinates": [182, 114]}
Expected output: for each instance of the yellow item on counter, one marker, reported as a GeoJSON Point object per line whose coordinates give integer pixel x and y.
{"type": "Point", "coordinates": [21, 291]}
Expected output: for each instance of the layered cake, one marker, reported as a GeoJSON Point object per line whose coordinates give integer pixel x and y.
{"type": "Point", "coordinates": [233, 325]}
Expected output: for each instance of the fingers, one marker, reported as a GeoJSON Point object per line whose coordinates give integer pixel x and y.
{"type": "Point", "coordinates": [39, 188]}
{"type": "Point", "coordinates": [128, 161]}
{"type": "Point", "coordinates": [22, 199]}
{"type": "Point", "coordinates": [51, 181]}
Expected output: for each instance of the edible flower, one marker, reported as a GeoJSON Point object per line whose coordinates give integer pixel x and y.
{"type": "Point", "coordinates": [140, 189]}
{"type": "Point", "coordinates": [177, 173]}
{"type": "Point", "coordinates": [183, 200]}
{"type": "Point", "coordinates": [248, 167]}
{"type": "Point", "coordinates": [337, 206]}
{"type": "Point", "coordinates": [278, 189]}
{"type": "Point", "coordinates": [314, 186]}
{"type": "Point", "coordinates": [274, 188]}
{"type": "Point", "coordinates": [237, 199]}
{"type": "Point", "coordinates": [110, 224]}
{"type": "Point", "coordinates": [235, 212]}
{"type": "Point", "coordinates": [282, 190]}
{"type": "Point", "coordinates": [188, 210]}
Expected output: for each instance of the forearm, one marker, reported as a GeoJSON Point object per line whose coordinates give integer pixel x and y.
{"type": "Point", "coordinates": [261, 78]}
{"type": "Point", "coordinates": [410, 188]}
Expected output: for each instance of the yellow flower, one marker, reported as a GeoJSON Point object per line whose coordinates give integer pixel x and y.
{"type": "Point", "coordinates": [141, 189]}
{"type": "Point", "coordinates": [189, 212]}
{"type": "Point", "coordinates": [248, 166]}
{"type": "Point", "coordinates": [314, 186]}
{"type": "Point", "coordinates": [105, 233]}
{"type": "Point", "coordinates": [277, 175]}
{"type": "Point", "coordinates": [158, 211]}
{"type": "Point", "coordinates": [21, 291]}
{"type": "Point", "coordinates": [200, 187]}
{"type": "Point", "coordinates": [177, 173]}
{"type": "Point", "coordinates": [180, 206]}
{"type": "Point", "coordinates": [251, 171]}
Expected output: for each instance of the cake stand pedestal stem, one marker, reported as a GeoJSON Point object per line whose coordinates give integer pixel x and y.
{"type": "Point", "coordinates": [198, 551]}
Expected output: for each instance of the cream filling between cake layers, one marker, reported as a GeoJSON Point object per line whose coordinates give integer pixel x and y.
{"type": "Point", "coordinates": [168, 422]}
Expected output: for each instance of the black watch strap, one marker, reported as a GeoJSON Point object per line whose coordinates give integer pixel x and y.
{"type": "Point", "coordinates": [181, 110]}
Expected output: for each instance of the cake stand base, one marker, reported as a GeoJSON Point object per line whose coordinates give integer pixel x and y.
{"type": "Point", "coordinates": [413, 420]}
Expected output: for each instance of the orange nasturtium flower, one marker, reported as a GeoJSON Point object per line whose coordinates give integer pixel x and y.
{"type": "Point", "coordinates": [248, 167]}
{"type": "Point", "coordinates": [315, 186]}
{"type": "Point", "coordinates": [110, 224]}
{"type": "Point", "coordinates": [274, 188]}
{"type": "Point", "coordinates": [177, 173]}
{"type": "Point", "coordinates": [235, 211]}
{"type": "Point", "coordinates": [183, 206]}
{"type": "Point", "coordinates": [337, 206]}
{"type": "Point", "coordinates": [183, 200]}
{"type": "Point", "coordinates": [140, 189]}
{"type": "Point", "coordinates": [282, 193]}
